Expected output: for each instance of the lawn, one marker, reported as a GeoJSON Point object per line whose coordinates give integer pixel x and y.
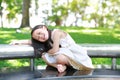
{"type": "Point", "coordinates": [80, 35]}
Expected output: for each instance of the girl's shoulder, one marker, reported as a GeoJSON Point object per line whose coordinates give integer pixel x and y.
{"type": "Point", "coordinates": [60, 32]}
{"type": "Point", "coordinates": [56, 29]}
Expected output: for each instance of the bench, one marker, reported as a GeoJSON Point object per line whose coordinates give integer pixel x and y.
{"type": "Point", "coordinates": [26, 51]}
{"type": "Point", "coordinates": [104, 51]}
{"type": "Point", "coordinates": [17, 52]}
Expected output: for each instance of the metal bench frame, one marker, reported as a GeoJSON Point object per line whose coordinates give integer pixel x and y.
{"type": "Point", "coordinates": [26, 51]}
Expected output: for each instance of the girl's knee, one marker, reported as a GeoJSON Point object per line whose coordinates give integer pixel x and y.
{"type": "Point", "coordinates": [62, 59]}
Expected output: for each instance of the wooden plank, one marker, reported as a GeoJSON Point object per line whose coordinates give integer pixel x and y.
{"type": "Point", "coordinates": [94, 50]}
{"type": "Point", "coordinates": [103, 50]}
{"type": "Point", "coordinates": [26, 51]}
{"type": "Point", "coordinates": [16, 51]}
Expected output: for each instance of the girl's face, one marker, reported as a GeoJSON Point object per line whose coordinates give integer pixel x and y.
{"type": "Point", "coordinates": [41, 34]}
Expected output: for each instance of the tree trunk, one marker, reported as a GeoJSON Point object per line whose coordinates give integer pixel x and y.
{"type": "Point", "coordinates": [25, 14]}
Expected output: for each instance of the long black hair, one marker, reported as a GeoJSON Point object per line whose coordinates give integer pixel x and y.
{"type": "Point", "coordinates": [40, 47]}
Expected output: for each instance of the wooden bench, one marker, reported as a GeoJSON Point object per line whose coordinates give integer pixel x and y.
{"type": "Point", "coordinates": [26, 51]}
{"type": "Point", "coordinates": [104, 51]}
{"type": "Point", "coordinates": [17, 52]}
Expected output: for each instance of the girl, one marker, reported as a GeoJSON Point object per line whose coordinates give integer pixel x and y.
{"type": "Point", "coordinates": [59, 49]}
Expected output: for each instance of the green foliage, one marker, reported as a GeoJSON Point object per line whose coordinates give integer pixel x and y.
{"type": "Point", "coordinates": [79, 34]}
{"type": "Point", "coordinates": [101, 61]}
{"type": "Point", "coordinates": [14, 7]}
{"type": "Point", "coordinates": [13, 64]}
{"type": "Point", "coordinates": [104, 13]}
{"type": "Point", "coordinates": [59, 13]}
{"type": "Point", "coordinates": [39, 61]}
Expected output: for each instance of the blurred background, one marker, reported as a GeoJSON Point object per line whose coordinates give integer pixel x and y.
{"type": "Point", "coordinates": [79, 13]}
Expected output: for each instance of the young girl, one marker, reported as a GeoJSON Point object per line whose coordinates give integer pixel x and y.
{"type": "Point", "coordinates": [60, 50]}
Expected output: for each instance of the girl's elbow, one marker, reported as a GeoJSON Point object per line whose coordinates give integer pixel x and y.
{"type": "Point", "coordinates": [55, 50]}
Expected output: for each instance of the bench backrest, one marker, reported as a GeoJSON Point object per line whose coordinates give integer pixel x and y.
{"type": "Point", "coordinates": [94, 50]}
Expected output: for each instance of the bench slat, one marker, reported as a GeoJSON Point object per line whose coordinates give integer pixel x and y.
{"type": "Point", "coordinates": [27, 51]}
{"type": "Point", "coordinates": [94, 50]}
{"type": "Point", "coordinates": [103, 50]}
{"type": "Point", "coordinates": [16, 51]}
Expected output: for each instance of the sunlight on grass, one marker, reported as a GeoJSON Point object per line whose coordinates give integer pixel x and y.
{"type": "Point", "coordinates": [85, 31]}
{"type": "Point", "coordinates": [116, 36]}
{"type": "Point", "coordinates": [5, 31]}
{"type": "Point", "coordinates": [6, 36]}
{"type": "Point", "coordinates": [17, 63]}
{"type": "Point", "coordinates": [96, 32]}
{"type": "Point", "coordinates": [89, 31]}
{"type": "Point", "coordinates": [101, 60]}
{"type": "Point", "coordinates": [73, 31]}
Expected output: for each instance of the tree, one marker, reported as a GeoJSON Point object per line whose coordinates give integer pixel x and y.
{"type": "Point", "coordinates": [25, 14]}
{"type": "Point", "coordinates": [13, 8]}
{"type": "Point", "coordinates": [1, 13]}
{"type": "Point", "coordinates": [59, 12]}
{"type": "Point", "coordinates": [78, 7]}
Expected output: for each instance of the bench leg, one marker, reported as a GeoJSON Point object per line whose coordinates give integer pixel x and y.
{"type": "Point", "coordinates": [113, 63]}
{"type": "Point", "coordinates": [32, 67]}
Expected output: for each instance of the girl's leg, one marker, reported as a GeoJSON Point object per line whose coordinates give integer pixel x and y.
{"type": "Point", "coordinates": [61, 63]}
{"type": "Point", "coordinates": [62, 59]}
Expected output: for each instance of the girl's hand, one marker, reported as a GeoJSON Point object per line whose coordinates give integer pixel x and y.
{"type": "Point", "coordinates": [15, 42]}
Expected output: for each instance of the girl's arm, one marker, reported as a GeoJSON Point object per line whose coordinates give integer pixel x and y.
{"type": "Point", "coordinates": [56, 40]}
{"type": "Point", "coordinates": [21, 42]}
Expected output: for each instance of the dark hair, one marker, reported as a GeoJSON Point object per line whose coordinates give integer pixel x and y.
{"type": "Point", "coordinates": [40, 47]}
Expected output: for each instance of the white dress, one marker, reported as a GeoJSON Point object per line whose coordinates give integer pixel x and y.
{"type": "Point", "coordinates": [77, 55]}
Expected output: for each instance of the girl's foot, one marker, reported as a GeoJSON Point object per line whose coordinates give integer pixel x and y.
{"type": "Point", "coordinates": [61, 68]}
{"type": "Point", "coordinates": [61, 74]}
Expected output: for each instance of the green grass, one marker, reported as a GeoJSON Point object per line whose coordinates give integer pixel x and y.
{"type": "Point", "coordinates": [103, 36]}
{"type": "Point", "coordinates": [80, 35]}
{"type": "Point", "coordinates": [7, 35]}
